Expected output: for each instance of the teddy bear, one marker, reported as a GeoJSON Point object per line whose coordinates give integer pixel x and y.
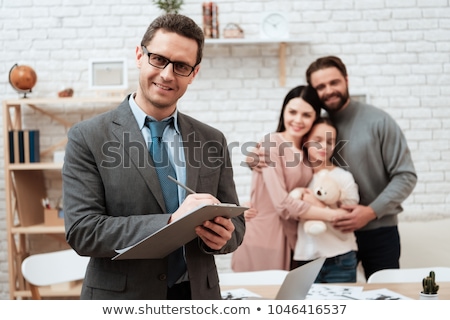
{"type": "Point", "coordinates": [326, 189]}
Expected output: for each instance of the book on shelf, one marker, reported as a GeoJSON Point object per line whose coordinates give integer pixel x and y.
{"type": "Point", "coordinates": [11, 146]}
{"type": "Point", "coordinates": [215, 34]}
{"type": "Point", "coordinates": [24, 146]}
{"type": "Point", "coordinates": [34, 146]}
{"type": "Point", "coordinates": [21, 147]}
{"type": "Point", "coordinates": [207, 17]}
{"type": "Point", "coordinates": [210, 12]}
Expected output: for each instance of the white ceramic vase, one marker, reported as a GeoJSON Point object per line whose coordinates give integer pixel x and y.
{"type": "Point", "coordinates": [428, 296]}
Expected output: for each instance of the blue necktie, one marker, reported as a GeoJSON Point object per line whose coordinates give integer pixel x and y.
{"type": "Point", "coordinates": [160, 155]}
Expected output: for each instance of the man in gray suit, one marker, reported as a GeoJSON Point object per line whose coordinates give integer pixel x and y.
{"type": "Point", "coordinates": [112, 193]}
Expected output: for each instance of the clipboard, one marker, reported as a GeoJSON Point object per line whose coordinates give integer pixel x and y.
{"type": "Point", "coordinates": [176, 234]}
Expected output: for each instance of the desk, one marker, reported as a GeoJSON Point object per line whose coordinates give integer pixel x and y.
{"type": "Point", "coordinates": [410, 290]}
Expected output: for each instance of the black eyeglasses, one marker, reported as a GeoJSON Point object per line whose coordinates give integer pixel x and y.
{"type": "Point", "coordinates": [160, 62]}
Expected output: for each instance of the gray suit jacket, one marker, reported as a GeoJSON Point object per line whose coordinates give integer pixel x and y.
{"type": "Point", "coordinates": [112, 199]}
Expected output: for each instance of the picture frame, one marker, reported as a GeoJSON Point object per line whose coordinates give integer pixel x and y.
{"type": "Point", "coordinates": [108, 74]}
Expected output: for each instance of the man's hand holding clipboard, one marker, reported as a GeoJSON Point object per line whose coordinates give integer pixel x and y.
{"type": "Point", "coordinates": [200, 214]}
{"type": "Point", "coordinates": [214, 233]}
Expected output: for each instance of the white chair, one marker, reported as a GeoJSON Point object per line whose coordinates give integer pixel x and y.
{"type": "Point", "coordinates": [409, 275]}
{"type": "Point", "coordinates": [45, 269]}
{"type": "Point", "coordinates": [251, 278]}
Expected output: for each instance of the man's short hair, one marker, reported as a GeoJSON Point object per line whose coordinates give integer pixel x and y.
{"type": "Point", "coordinates": [180, 24]}
{"type": "Point", "coordinates": [323, 63]}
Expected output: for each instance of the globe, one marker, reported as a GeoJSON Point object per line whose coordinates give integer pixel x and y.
{"type": "Point", "coordinates": [22, 78]}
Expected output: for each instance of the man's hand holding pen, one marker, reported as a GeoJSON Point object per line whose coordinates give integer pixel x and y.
{"type": "Point", "coordinates": [216, 233]}
{"type": "Point", "coordinates": [191, 202]}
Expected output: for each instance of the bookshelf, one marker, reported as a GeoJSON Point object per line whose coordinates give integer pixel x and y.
{"type": "Point", "coordinates": [26, 184]}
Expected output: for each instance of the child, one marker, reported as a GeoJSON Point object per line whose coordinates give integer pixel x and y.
{"type": "Point", "coordinates": [339, 248]}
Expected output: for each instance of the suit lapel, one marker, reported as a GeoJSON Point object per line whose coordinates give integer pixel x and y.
{"type": "Point", "coordinates": [127, 132]}
{"type": "Point", "coordinates": [192, 150]}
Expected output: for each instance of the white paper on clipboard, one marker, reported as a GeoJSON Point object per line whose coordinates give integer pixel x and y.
{"type": "Point", "coordinates": [174, 235]}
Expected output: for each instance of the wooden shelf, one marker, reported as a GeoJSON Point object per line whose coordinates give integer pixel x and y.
{"type": "Point", "coordinates": [38, 229]}
{"type": "Point", "coordinates": [281, 49]}
{"type": "Point", "coordinates": [59, 101]}
{"type": "Point", "coordinates": [245, 41]}
{"type": "Point", "coordinates": [73, 292]}
{"type": "Point", "coordinates": [36, 166]}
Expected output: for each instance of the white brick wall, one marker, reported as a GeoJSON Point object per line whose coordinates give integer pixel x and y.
{"type": "Point", "coordinates": [397, 53]}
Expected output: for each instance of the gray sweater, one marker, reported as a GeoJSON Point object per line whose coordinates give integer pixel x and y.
{"type": "Point", "coordinates": [373, 148]}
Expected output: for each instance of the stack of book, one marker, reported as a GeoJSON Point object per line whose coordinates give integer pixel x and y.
{"type": "Point", "coordinates": [24, 146]}
{"type": "Point", "coordinates": [211, 20]}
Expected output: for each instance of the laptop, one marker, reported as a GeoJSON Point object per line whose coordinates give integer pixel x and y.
{"type": "Point", "coordinates": [299, 280]}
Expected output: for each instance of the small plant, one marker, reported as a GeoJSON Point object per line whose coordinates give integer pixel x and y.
{"type": "Point", "coordinates": [169, 6]}
{"type": "Point", "coordinates": [429, 284]}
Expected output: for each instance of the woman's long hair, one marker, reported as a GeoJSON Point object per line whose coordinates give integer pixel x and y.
{"type": "Point", "coordinates": [308, 94]}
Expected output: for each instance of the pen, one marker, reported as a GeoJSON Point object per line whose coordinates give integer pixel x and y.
{"type": "Point", "coordinates": [181, 185]}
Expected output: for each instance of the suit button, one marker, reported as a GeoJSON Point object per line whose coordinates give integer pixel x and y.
{"type": "Point", "coordinates": [162, 277]}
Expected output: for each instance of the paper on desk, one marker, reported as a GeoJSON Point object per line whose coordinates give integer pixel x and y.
{"type": "Point", "coordinates": [334, 292]}
{"type": "Point", "coordinates": [238, 294]}
{"type": "Point", "coordinates": [382, 294]}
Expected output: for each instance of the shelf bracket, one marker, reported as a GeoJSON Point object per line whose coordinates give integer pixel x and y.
{"type": "Point", "coordinates": [282, 63]}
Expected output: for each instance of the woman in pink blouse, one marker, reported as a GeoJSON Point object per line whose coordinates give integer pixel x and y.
{"type": "Point", "coordinates": [271, 233]}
